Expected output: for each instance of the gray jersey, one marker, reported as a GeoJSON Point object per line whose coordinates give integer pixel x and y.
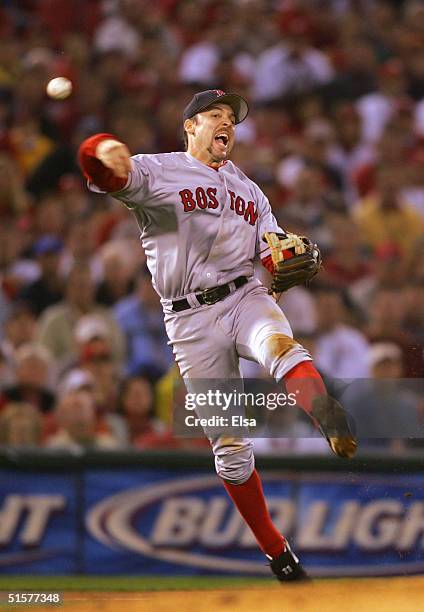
{"type": "Point", "coordinates": [200, 227]}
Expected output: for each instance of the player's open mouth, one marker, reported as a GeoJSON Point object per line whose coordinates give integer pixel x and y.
{"type": "Point", "coordinates": [222, 139]}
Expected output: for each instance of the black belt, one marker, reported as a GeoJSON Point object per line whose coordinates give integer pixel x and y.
{"type": "Point", "coordinates": [209, 296]}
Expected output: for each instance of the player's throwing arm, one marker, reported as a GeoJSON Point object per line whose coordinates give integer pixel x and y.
{"type": "Point", "coordinates": [116, 156]}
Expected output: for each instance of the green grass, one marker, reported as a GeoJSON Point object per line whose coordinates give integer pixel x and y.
{"type": "Point", "coordinates": [126, 583]}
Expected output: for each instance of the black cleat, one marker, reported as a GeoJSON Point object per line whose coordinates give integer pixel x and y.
{"type": "Point", "coordinates": [333, 423]}
{"type": "Point", "coordinates": [287, 567]}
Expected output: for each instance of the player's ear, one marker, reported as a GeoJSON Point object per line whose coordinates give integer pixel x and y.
{"type": "Point", "coordinates": [189, 126]}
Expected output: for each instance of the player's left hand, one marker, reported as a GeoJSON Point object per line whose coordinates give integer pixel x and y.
{"type": "Point", "coordinates": [296, 268]}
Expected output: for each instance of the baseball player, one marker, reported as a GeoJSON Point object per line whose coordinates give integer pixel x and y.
{"type": "Point", "coordinates": [202, 223]}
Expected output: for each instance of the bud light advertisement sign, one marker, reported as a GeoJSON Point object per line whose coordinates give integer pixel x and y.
{"type": "Point", "coordinates": [147, 521]}
{"type": "Point", "coordinates": [39, 517]}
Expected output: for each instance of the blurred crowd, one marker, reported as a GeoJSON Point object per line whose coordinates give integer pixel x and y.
{"type": "Point", "coordinates": [335, 138]}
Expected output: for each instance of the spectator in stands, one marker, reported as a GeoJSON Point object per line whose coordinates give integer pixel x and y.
{"type": "Point", "coordinates": [50, 216]}
{"type": "Point", "coordinates": [304, 208]}
{"type": "Point", "coordinates": [357, 75]}
{"type": "Point", "coordinates": [409, 45]}
{"type": "Point", "coordinates": [117, 281]}
{"type": "Point", "coordinates": [383, 218]}
{"type": "Point", "coordinates": [200, 61]}
{"type": "Point", "coordinates": [118, 31]}
{"type": "Point", "coordinates": [137, 131]}
{"type": "Point", "coordinates": [17, 269]}
{"type": "Point", "coordinates": [76, 417]}
{"type": "Point", "coordinates": [48, 288]}
{"type": "Point", "coordinates": [312, 180]}
{"type": "Point", "coordinates": [348, 152]}
{"type": "Point", "coordinates": [291, 67]}
{"type": "Point", "coordinates": [56, 331]}
{"type": "Point", "coordinates": [5, 310]}
{"type": "Point", "coordinates": [386, 323]}
{"type": "Point", "coordinates": [385, 413]}
{"type": "Point", "coordinates": [169, 390]}
{"type": "Point", "coordinates": [20, 426]}
{"type": "Point", "coordinates": [377, 108]}
{"type": "Point", "coordinates": [6, 372]}
{"type": "Point", "coordinates": [20, 328]}
{"type": "Point", "coordinates": [300, 309]}
{"type": "Point", "coordinates": [413, 190]}
{"type": "Point", "coordinates": [80, 249]}
{"type": "Point", "coordinates": [96, 360]}
{"type": "Point", "coordinates": [33, 375]}
{"type": "Point", "coordinates": [141, 319]}
{"type": "Point", "coordinates": [136, 404]}
{"type": "Point", "coordinates": [340, 349]}
{"type": "Point", "coordinates": [93, 327]}
{"type": "Point", "coordinates": [81, 379]}
{"type": "Point", "coordinates": [13, 198]}
{"type": "Point", "coordinates": [77, 380]}
{"type": "Point", "coordinates": [30, 144]}
{"type": "Point", "coordinates": [346, 263]}
{"type": "Point", "coordinates": [387, 269]}
{"type": "Point", "coordinates": [73, 196]}
{"type": "Point", "coordinates": [413, 323]}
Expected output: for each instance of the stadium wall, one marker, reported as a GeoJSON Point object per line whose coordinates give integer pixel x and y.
{"type": "Point", "coordinates": [167, 513]}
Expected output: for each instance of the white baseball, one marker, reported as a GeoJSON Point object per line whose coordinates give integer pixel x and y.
{"type": "Point", "coordinates": [59, 88]}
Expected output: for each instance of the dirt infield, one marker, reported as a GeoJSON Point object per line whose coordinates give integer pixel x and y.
{"type": "Point", "coordinates": [346, 595]}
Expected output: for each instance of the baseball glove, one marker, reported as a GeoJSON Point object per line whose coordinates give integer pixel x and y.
{"type": "Point", "coordinates": [296, 260]}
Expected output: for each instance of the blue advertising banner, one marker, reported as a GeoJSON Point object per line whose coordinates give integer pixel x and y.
{"type": "Point", "coordinates": [147, 521]}
{"type": "Point", "coordinates": [39, 516]}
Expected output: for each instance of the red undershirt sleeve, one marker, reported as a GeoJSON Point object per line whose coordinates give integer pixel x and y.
{"type": "Point", "coordinates": [93, 169]}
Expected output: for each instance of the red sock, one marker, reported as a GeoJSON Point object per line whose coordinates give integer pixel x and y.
{"type": "Point", "coordinates": [250, 501]}
{"type": "Point", "coordinates": [306, 383]}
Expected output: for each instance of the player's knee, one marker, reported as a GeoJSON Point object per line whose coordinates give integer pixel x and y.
{"type": "Point", "coordinates": [234, 460]}
{"type": "Point", "coordinates": [282, 353]}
